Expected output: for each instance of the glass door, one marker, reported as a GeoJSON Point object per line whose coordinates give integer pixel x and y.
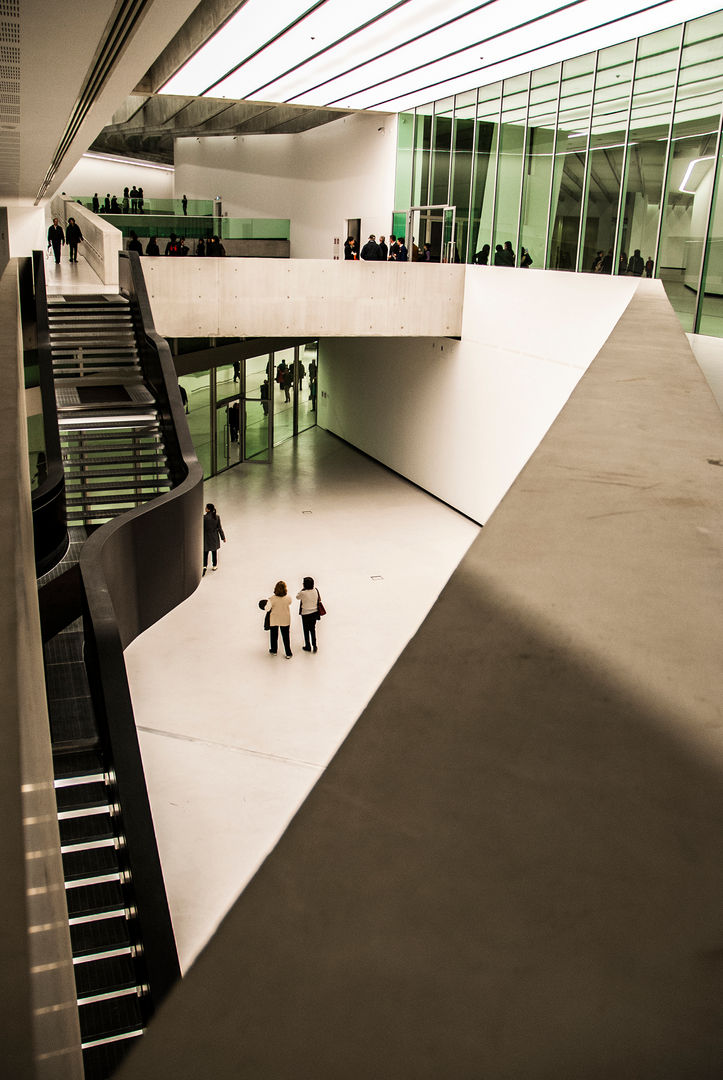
{"type": "Point", "coordinates": [257, 410]}
{"type": "Point", "coordinates": [435, 226]}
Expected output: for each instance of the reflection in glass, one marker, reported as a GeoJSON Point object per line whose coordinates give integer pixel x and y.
{"type": "Point", "coordinates": [610, 111]}
{"type": "Point", "coordinates": [485, 165]}
{"type": "Point", "coordinates": [691, 173]}
{"type": "Point", "coordinates": [258, 388]}
{"type": "Point", "coordinates": [422, 144]}
{"type": "Point", "coordinates": [653, 89]}
{"type": "Point", "coordinates": [442, 142]}
{"type": "Point", "coordinates": [544, 93]}
{"type": "Point", "coordinates": [308, 361]}
{"type": "Point", "coordinates": [198, 391]}
{"type": "Point", "coordinates": [570, 161]}
{"type": "Point", "coordinates": [464, 110]}
{"type": "Point", "coordinates": [283, 403]}
{"type": "Point", "coordinates": [509, 167]}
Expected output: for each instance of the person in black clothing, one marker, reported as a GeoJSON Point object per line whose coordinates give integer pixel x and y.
{"type": "Point", "coordinates": [233, 420]}
{"type": "Point", "coordinates": [134, 199]}
{"type": "Point", "coordinates": [383, 250]}
{"type": "Point", "coordinates": [114, 205]}
{"type": "Point", "coordinates": [152, 247]}
{"type": "Point", "coordinates": [370, 251]}
{"type": "Point", "coordinates": [525, 260]}
{"type": "Point", "coordinates": [483, 256]}
{"type": "Point", "coordinates": [426, 253]}
{"type": "Point", "coordinates": [106, 203]}
{"type": "Point", "coordinates": [73, 236]}
{"type": "Point", "coordinates": [393, 248]}
{"type": "Point", "coordinates": [126, 204]}
{"type": "Point", "coordinates": [56, 238]}
{"type": "Point", "coordinates": [184, 204]}
{"type": "Point", "coordinates": [264, 395]}
{"type": "Point", "coordinates": [350, 251]}
{"type": "Point", "coordinates": [499, 259]}
{"type": "Point", "coordinates": [96, 203]}
{"type": "Point", "coordinates": [184, 396]}
{"type": "Point", "coordinates": [140, 200]}
{"type": "Point", "coordinates": [134, 243]}
{"type": "Point", "coordinates": [200, 248]}
{"type": "Point", "coordinates": [172, 247]}
{"type": "Point", "coordinates": [402, 253]}
{"type": "Point", "coordinates": [182, 246]}
{"type": "Point", "coordinates": [215, 248]}
{"type": "Point", "coordinates": [636, 264]}
{"type": "Point", "coordinates": [212, 536]}
{"type": "Point", "coordinates": [509, 254]}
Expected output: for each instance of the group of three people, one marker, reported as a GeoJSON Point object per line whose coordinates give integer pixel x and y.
{"type": "Point", "coordinates": [278, 605]}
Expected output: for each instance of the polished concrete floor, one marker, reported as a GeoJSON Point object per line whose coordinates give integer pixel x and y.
{"type": "Point", "coordinates": [233, 739]}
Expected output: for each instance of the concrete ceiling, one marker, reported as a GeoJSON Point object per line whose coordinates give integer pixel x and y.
{"type": "Point", "coordinates": [63, 74]}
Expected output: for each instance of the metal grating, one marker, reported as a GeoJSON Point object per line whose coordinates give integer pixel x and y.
{"type": "Point", "coordinates": [9, 97]}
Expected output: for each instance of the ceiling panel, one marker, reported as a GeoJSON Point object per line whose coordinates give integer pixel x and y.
{"type": "Point", "coordinates": [395, 54]}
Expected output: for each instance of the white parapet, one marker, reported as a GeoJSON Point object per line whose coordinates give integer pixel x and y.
{"type": "Point", "coordinates": [297, 297]}
{"type": "Point", "coordinates": [101, 240]}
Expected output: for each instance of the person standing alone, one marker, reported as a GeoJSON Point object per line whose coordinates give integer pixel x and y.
{"type": "Point", "coordinates": [212, 536]}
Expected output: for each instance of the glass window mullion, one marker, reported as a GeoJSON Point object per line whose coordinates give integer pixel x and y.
{"type": "Point", "coordinates": [586, 171]}
{"type": "Point", "coordinates": [552, 174]}
{"type": "Point", "coordinates": [706, 234]}
{"type": "Point", "coordinates": [525, 142]}
{"type": "Point", "coordinates": [668, 154]}
{"type": "Point", "coordinates": [626, 152]}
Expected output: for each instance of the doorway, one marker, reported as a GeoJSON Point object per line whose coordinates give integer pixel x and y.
{"type": "Point", "coordinates": [436, 226]}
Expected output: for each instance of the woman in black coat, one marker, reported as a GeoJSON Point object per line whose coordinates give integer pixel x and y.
{"type": "Point", "coordinates": [212, 536]}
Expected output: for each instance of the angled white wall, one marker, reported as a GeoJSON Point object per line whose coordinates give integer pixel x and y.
{"type": "Point", "coordinates": [316, 179]}
{"type": "Point", "coordinates": [461, 418]}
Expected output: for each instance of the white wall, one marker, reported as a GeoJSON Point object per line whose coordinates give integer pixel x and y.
{"type": "Point", "coordinates": [27, 229]}
{"type": "Point", "coordinates": [461, 418]}
{"type": "Point", "coordinates": [94, 174]}
{"type": "Point", "coordinates": [317, 179]}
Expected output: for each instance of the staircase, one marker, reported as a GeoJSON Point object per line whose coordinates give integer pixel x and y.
{"type": "Point", "coordinates": [114, 460]}
{"type": "Point", "coordinates": [109, 432]}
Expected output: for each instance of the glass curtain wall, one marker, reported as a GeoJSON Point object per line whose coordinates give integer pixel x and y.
{"type": "Point", "coordinates": [607, 162]}
{"type": "Point", "coordinates": [229, 405]}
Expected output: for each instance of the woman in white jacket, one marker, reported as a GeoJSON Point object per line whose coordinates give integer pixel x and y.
{"type": "Point", "coordinates": [279, 608]}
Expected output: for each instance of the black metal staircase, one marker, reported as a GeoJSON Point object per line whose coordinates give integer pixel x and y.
{"type": "Point", "coordinates": [113, 454]}
{"type": "Point", "coordinates": [120, 448]}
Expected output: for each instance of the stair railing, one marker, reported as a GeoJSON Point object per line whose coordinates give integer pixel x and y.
{"type": "Point", "coordinates": [50, 526]}
{"type": "Point", "coordinates": [134, 570]}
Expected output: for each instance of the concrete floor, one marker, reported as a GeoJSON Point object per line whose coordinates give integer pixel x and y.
{"type": "Point", "coordinates": [233, 739]}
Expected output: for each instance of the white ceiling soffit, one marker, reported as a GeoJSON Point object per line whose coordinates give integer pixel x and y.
{"type": "Point", "coordinates": [392, 56]}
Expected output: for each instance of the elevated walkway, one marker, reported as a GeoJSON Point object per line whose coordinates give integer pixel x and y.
{"type": "Point", "coordinates": [512, 865]}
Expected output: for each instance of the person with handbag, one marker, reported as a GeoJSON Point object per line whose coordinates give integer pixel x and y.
{"type": "Point", "coordinates": [278, 609]}
{"type": "Point", "coordinates": [311, 609]}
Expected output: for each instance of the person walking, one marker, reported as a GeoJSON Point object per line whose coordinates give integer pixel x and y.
{"type": "Point", "coordinates": [56, 238]}
{"type": "Point", "coordinates": [309, 599]}
{"type": "Point", "coordinates": [73, 237]}
{"type": "Point", "coordinates": [212, 536]}
{"type": "Point", "coordinates": [279, 609]}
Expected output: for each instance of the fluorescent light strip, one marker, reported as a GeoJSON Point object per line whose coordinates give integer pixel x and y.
{"type": "Point", "coordinates": [331, 22]}
{"type": "Point", "coordinates": [255, 24]}
{"type": "Point", "coordinates": [545, 55]}
{"type": "Point", "coordinates": [129, 161]}
{"type": "Point", "coordinates": [527, 34]}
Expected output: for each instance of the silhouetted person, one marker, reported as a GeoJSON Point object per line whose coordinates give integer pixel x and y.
{"type": "Point", "coordinates": [509, 254]}
{"type": "Point", "coordinates": [184, 204]}
{"type": "Point", "coordinates": [383, 250]}
{"type": "Point", "coordinates": [606, 266]}
{"type": "Point", "coordinates": [525, 259]}
{"type": "Point", "coordinates": [499, 256]}
{"type": "Point", "coordinates": [106, 203]}
{"type": "Point", "coordinates": [96, 204]}
{"type": "Point", "coordinates": [649, 266]}
{"type": "Point", "coordinates": [73, 237]}
{"type": "Point", "coordinates": [56, 238]}
{"type": "Point", "coordinates": [201, 248]}
{"type": "Point", "coordinates": [152, 247]}
{"type": "Point", "coordinates": [134, 199]}
{"type": "Point", "coordinates": [134, 243]}
{"type": "Point", "coordinates": [483, 255]}
{"type": "Point", "coordinates": [636, 264]}
{"type": "Point", "coordinates": [140, 200]}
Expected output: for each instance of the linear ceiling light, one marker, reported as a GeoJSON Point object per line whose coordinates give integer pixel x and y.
{"type": "Point", "coordinates": [689, 171]}
{"type": "Point", "coordinates": [397, 54]}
